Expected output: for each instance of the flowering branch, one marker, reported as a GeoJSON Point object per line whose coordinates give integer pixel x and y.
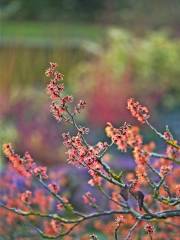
{"type": "Point", "coordinates": [133, 198]}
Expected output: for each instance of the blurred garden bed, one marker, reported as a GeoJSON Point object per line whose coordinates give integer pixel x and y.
{"type": "Point", "coordinates": [103, 66]}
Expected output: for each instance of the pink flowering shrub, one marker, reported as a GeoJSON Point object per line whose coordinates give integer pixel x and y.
{"type": "Point", "coordinates": [142, 204]}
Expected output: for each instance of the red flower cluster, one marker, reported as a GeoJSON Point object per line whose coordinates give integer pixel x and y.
{"type": "Point", "coordinates": [25, 165]}
{"type": "Point", "coordinates": [57, 111]}
{"type": "Point", "coordinates": [16, 160]}
{"type": "Point", "coordinates": [178, 190]}
{"type": "Point", "coordinates": [82, 155]}
{"type": "Point", "coordinates": [52, 228]}
{"type": "Point", "coordinates": [171, 151]}
{"type": "Point", "coordinates": [128, 136]}
{"type": "Point", "coordinates": [40, 171]}
{"type": "Point", "coordinates": [81, 105]}
{"type": "Point", "coordinates": [149, 229]}
{"type": "Point", "coordinates": [89, 199]}
{"type": "Point", "coordinates": [51, 72]}
{"type": "Point", "coordinates": [119, 220]}
{"type": "Point", "coordinates": [138, 111]}
{"type": "Point", "coordinates": [55, 90]}
{"type": "Point", "coordinates": [95, 178]}
{"type": "Point", "coordinates": [118, 135]}
{"type": "Point", "coordinates": [141, 173]}
{"type": "Point", "coordinates": [26, 197]}
{"type": "Point", "coordinates": [124, 136]}
{"type": "Point", "coordinates": [140, 155]}
{"type": "Point", "coordinates": [53, 188]}
{"type": "Point", "coordinates": [165, 169]}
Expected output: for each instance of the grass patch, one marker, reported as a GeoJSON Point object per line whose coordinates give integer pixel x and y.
{"type": "Point", "coordinates": [56, 31]}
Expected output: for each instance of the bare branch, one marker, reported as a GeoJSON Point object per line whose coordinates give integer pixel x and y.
{"type": "Point", "coordinates": [131, 230]}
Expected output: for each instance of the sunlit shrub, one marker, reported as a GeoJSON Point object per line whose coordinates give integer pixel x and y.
{"type": "Point", "coordinates": [144, 67]}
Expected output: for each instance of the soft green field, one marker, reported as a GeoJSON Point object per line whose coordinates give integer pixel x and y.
{"type": "Point", "coordinates": [57, 31]}
{"type": "Point", "coordinates": [27, 47]}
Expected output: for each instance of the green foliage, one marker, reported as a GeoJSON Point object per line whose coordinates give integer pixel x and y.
{"type": "Point", "coordinates": [148, 65]}
{"type": "Point", "coordinates": [54, 33]}
{"type": "Point", "coordinates": [157, 67]}
{"type": "Point", "coordinates": [137, 15]}
{"type": "Point", "coordinates": [56, 10]}
{"type": "Point", "coordinates": [8, 133]}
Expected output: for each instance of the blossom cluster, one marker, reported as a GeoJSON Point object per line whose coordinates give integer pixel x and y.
{"type": "Point", "coordinates": [24, 165]}
{"type": "Point", "coordinates": [82, 155]}
{"type": "Point", "coordinates": [138, 111]}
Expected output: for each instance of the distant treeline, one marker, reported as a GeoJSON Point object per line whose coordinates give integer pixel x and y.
{"type": "Point", "coordinates": [86, 10]}
{"type": "Point", "coordinates": [127, 12]}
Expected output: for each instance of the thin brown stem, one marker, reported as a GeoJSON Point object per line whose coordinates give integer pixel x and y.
{"type": "Point", "coordinates": [131, 230]}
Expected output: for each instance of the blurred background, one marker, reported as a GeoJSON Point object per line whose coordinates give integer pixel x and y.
{"type": "Point", "coordinates": [108, 51]}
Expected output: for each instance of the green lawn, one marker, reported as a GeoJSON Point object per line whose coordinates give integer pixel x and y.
{"type": "Point", "coordinates": [50, 31]}
{"type": "Point", "coordinates": [30, 45]}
